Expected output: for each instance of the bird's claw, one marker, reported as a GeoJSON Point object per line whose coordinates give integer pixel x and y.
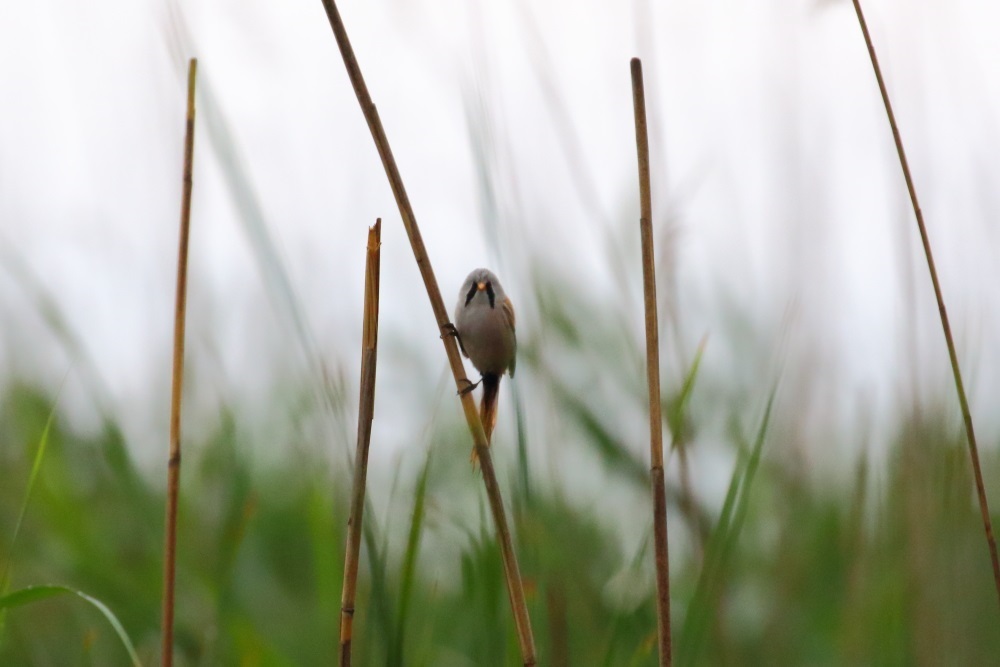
{"type": "Point", "coordinates": [449, 329]}
{"type": "Point", "coordinates": [470, 385]}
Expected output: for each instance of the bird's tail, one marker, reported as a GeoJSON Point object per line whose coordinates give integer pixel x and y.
{"type": "Point", "coordinates": [488, 408]}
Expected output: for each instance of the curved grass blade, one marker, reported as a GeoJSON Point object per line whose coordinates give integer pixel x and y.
{"type": "Point", "coordinates": [381, 607]}
{"type": "Point", "coordinates": [612, 450]}
{"type": "Point", "coordinates": [58, 324]}
{"type": "Point", "coordinates": [412, 550]}
{"type": "Point", "coordinates": [676, 409]}
{"type": "Point", "coordinates": [721, 545]}
{"type": "Point", "coordinates": [36, 466]}
{"type": "Point", "coordinates": [35, 593]}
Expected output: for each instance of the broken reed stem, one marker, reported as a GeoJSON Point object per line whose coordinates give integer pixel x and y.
{"type": "Point", "coordinates": [177, 381]}
{"type": "Point", "coordinates": [652, 370]}
{"type": "Point", "coordinates": [515, 588]}
{"type": "Point", "coordinates": [366, 411]}
{"type": "Point", "coordinates": [945, 325]}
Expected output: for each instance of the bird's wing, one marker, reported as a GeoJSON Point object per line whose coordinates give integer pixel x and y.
{"type": "Point", "coordinates": [507, 308]}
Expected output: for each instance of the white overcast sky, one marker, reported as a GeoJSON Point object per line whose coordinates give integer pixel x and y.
{"type": "Point", "coordinates": [775, 182]}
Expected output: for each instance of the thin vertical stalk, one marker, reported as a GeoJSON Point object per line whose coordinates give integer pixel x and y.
{"type": "Point", "coordinates": [659, 493]}
{"type": "Point", "coordinates": [945, 325]}
{"type": "Point", "coordinates": [177, 380]}
{"type": "Point", "coordinates": [515, 587]}
{"type": "Point", "coordinates": [366, 410]}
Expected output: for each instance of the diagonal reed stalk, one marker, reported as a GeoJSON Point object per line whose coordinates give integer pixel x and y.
{"type": "Point", "coordinates": [515, 587]}
{"type": "Point", "coordinates": [945, 325]}
{"type": "Point", "coordinates": [177, 379]}
{"type": "Point", "coordinates": [366, 410]}
{"type": "Point", "coordinates": [659, 491]}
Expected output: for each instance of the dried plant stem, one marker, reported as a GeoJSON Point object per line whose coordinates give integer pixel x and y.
{"type": "Point", "coordinates": [945, 325]}
{"type": "Point", "coordinates": [366, 410]}
{"type": "Point", "coordinates": [515, 588]}
{"type": "Point", "coordinates": [652, 370]}
{"type": "Point", "coordinates": [177, 379]}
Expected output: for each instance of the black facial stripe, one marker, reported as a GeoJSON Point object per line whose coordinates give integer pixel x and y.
{"type": "Point", "coordinates": [472, 293]}
{"type": "Point", "coordinates": [490, 294]}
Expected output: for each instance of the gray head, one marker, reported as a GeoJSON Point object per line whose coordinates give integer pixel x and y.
{"type": "Point", "coordinates": [481, 286]}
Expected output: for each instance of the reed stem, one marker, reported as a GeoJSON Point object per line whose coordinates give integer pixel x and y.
{"type": "Point", "coordinates": [945, 325]}
{"type": "Point", "coordinates": [659, 494]}
{"type": "Point", "coordinates": [366, 411]}
{"type": "Point", "coordinates": [515, 588]}
{"type": "Point", "coordinates": [177, 381]}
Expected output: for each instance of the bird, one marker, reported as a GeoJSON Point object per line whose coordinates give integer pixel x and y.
{"type": "Point", "coordinates": [484, 324]}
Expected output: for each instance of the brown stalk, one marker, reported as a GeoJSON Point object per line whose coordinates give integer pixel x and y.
{"type": "Point", "coordinates": [366, 410]}
{"type": "Point", "coordinates": [515, 588]}
{"type": "Point", "coordinates": [177, 380]}
{"type": "Point", "coordinates": [945, 325]}
{"type": "Point", "coordinates": [652, 370]}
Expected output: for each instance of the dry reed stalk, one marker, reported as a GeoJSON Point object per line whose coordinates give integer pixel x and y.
{"type": "Point", "coordinates": [512, 574]}
{"type": "Point", "coordinates": [366, 410]}
{"type": "Point", "coordinates": [659, 493]}
{"type": "Point", "coordinates": [963, 402]}
{"type": "Point", "coordinates": [177, 380]}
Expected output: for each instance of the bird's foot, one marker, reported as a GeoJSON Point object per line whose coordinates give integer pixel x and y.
{"type": "Point", "coordinates": [470, 385]}
{"type": "Point", "coordinates": [448, 329]}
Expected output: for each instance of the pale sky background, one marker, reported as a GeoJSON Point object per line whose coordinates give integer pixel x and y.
{"type": "Point", "coordinates": [776, 189]}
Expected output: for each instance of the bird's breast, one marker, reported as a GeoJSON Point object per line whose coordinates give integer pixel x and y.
{"type": "Point", "coordinates": [486, 337]}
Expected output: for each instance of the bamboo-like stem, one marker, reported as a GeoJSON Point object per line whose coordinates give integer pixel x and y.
{"type": "Point", "coordinates": [515, 587]}
{"type": "Point", "coordinates": [177, 379]}
{"type": "Point", "coordinates": [366, 410]}
{"type": "Point", "coordinates": [963, 402]}
{"type": "Point", "coordinates": [659, 492]}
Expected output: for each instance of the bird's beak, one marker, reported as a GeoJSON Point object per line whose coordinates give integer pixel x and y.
{"type": "Point", "coordinates": [480, 286]}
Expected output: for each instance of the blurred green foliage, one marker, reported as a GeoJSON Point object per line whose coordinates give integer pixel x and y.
{"type": "Point", "coordinates": [891, 569]}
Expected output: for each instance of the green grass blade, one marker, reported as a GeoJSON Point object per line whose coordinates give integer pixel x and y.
{"type": "Point", "coordinates": [412, 550]}
{"type": "Point", "coordinates": [380, 604]}
{"type": "Point", "coordinates": [58, 324]}
{"type": "Point", "coordinates": [749, 475]}
{"type": "Point", "coordinates": [524, 473]}
{"type": "Point", "coordinates": [36, 466]}
{"type": "Point", "coordinates": [273, 269]}
{"type": "Point", "coordinates": [677, 407]}
{"type": "Point", "coordinates": [698, 613]}
{"type": "Point", "coordinates": [615, 453]}
{"type": "Point", "coordinates": [721, 544]}
{"type": "Point", "coordinates": [35, 593]}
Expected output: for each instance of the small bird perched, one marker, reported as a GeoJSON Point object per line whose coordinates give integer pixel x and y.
{"type": "Point", "coordinates": [484, 322]}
